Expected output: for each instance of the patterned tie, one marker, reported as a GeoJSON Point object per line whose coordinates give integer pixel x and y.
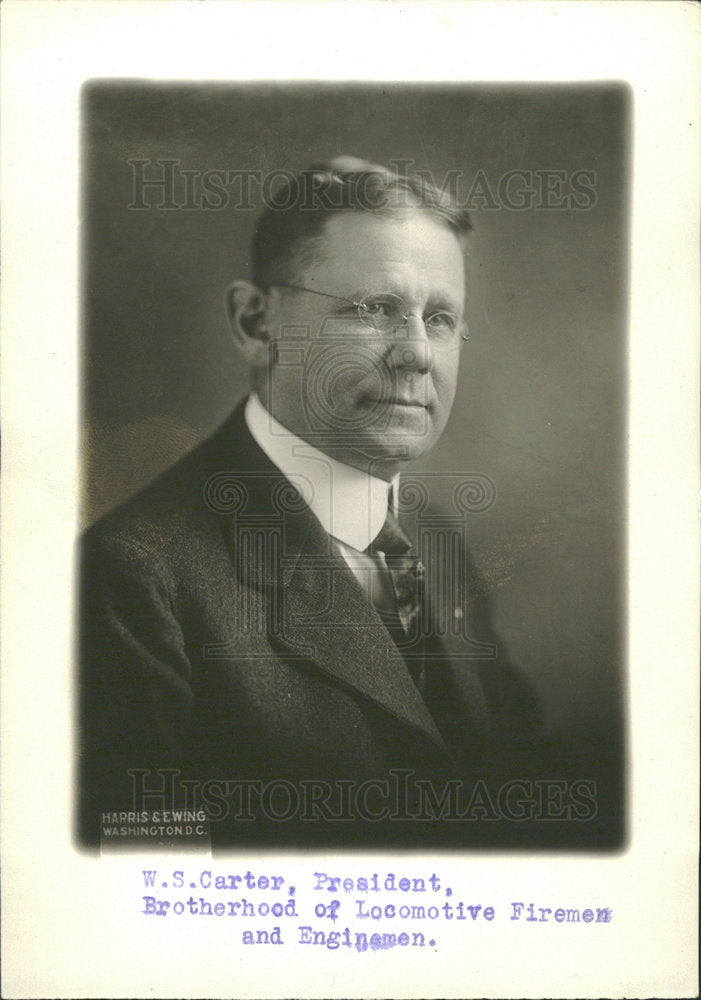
{"type": "Point", "coordinates": [406, 616]}
{"type": "Point", "coordinates": [405, 570]}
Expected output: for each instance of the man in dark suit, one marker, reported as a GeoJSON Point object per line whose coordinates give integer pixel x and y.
{"type": "Point", "coordinates": [261, 617]}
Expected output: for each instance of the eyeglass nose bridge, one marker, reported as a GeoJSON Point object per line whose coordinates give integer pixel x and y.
{"type": "Point", "coordinates": [413, 315]}
{"type": "Point", "coordinates": [404, 325]}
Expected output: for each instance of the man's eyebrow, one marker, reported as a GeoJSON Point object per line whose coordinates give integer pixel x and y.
{"type": "Point", "coordinates": [435, 300]}
{"type": "Point", "coordinates": [443, 300]}
{"type": "Point", "coordinates": [361, 293]}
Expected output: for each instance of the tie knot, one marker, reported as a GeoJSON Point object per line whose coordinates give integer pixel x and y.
{"type": "Point", "coordinates": [391, 540]}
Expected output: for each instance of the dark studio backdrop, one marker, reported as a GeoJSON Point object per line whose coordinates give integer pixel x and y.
{"type": "Point", "coordinates": [541, 399]}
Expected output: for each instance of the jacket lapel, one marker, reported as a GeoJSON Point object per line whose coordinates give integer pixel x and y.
{"type": "Point", "coordinates": [327, 619]}
{"type": "Point", "coordinates": [318, 614]}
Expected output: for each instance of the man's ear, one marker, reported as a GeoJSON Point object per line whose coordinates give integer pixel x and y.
{"type": "Point", "coordinates": [246, 310]}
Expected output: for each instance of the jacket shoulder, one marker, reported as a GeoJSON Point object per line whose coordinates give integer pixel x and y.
{"type": "Point", "coordinates": [178, 506]}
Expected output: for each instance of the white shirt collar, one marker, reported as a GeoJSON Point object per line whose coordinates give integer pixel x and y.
{"type": "Point", "coordinates": [350, 504]}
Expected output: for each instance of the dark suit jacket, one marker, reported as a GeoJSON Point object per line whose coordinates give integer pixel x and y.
{"type": "Point", "coordinates": [223, 635]}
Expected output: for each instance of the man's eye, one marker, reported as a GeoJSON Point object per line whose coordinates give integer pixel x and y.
{"type": "Point", "coordinates": [379, 307]}
{"type": "Point", "coordinates": [442, 321]}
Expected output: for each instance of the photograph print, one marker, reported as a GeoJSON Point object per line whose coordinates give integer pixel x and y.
{"type": "Point", "coordinates": [352, 563]}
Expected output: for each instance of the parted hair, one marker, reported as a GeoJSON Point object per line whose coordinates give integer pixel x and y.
{"type": "Point", "coordinates": [288, 231]}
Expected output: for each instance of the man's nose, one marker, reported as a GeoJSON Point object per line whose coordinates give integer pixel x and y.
{"type": "Point", "coordinates": [411, 348]}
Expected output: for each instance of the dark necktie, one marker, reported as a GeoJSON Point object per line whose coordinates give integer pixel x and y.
{"type": "Point", "coordinates": [391, 550]}
{"type": "Point", "coordinates": [405, 570]}
{"type": "Point", "coordinates": [408, 623]}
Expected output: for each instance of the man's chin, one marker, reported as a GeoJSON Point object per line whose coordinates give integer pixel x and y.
{"type": "Point", "coordinates": [386, 453]}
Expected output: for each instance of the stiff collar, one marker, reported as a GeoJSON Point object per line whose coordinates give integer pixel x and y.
{"type": "Point", "coordinates": [350, 505]}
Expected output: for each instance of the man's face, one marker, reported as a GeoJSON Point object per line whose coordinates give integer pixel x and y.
{"type": "Point", "coordinates": [370, 398]}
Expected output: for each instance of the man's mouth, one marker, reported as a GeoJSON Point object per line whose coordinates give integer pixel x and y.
{"type": "Point", "coordinates": [396, 401]}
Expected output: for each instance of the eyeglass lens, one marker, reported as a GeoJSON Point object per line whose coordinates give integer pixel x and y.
{"type": "Point", "coordinates": [385, 312]}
